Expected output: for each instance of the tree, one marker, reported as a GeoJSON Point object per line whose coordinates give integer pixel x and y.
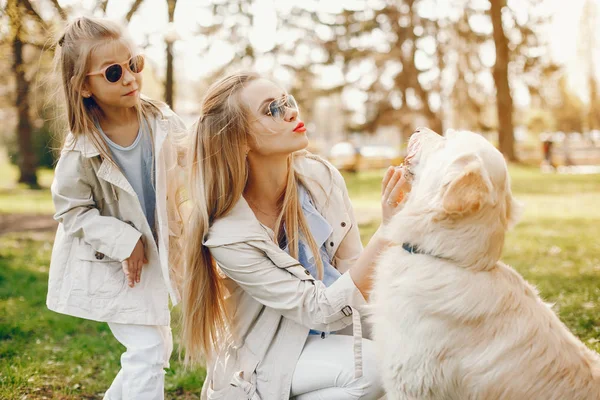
{"type": "Point", "coordinates": [569, 111]}
{"type": "Point", "coordinates": [27, 30]}
{"type": "Point", "coordinates": [504, 102]}
{"type": "Point", "coordinates": [469, 99]}
{"type": "Point", "coordinates": [540, 121]}
{"type": "Point", "coordinates": [423, 63]}
{"type": "Point", "coordinates": [386, 42]}
{"type": "Point", "coordinates": [27, 162]}
{"type": "Point", "coordinates": [169, 41]}
{"type": "Point", "coordinates": [587, 46]}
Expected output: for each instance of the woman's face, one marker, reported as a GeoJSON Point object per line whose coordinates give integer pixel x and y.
{"type": "Point", "coordinates": [274, 133]}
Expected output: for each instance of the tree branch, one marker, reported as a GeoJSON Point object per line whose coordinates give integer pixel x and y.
{"type": "Point", "coordinates": [59, 9]}
{"type": "Point", "coordinates": [134, 7]}
{"type": "Point", "coordinates": [34, 13]}
{"type": "Point", "coordinates": [104, 6]}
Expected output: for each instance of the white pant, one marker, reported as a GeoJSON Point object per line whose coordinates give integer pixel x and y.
{"type": "Point", "coordinates": [148, 351]}
{"type": "Point", "coordinates": [325, 371]}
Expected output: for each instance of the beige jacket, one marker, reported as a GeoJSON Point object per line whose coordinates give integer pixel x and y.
{"type": "Point", "coordinates": [273, 299]}
{"type": "Point", "coordinates": [100, 221]}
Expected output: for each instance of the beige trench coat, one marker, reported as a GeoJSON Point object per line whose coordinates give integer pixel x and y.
{"type": "Point", "coordinates": [274, 300]}
{"type": "Point", "coordinates": [100, 221]}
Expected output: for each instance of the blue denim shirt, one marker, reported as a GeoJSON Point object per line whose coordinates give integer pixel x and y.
{"type": "Point", "coordinates": [320, 230]}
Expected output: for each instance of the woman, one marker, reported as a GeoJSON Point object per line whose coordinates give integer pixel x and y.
{"type": "Point", "coordinates": [258, 303]}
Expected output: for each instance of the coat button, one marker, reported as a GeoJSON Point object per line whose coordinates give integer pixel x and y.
{"type": "Point", "coordinates": [307, 272]}
{"type": "Point", "coordinates": [343, 224]}
{"type": "Point", "coordinates": [98, 255]}
{"type": "Point", "coordinates": [331, 244]}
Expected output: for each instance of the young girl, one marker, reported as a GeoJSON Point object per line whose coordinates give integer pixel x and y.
{"type": "Point", "coordinates": [274, 261]}
{"type": "Point", "coordinates": [115, 190]}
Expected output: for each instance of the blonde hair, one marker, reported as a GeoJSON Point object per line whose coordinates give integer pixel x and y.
{"type": "Point", "coordinates": [217, 178]}
{"type": "Point", "coordinates": [72, 59]}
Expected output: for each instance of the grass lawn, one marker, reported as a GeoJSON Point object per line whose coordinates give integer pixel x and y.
{"type": "Point", "coordinates": [47, 355]}
{"type": "Point", "coordinates": [20, 199]}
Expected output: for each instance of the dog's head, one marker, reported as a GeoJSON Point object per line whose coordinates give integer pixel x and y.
{"type": "Point", "coordinates": [460, 204]}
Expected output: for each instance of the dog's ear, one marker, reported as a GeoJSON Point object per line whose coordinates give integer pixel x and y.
{"type": "Point", "coordinates": [514, 211]}
{"type": "Point", "coordinates": [469, 190]}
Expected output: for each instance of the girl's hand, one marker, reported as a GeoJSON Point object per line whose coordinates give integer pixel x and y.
{"type": "Point", "coordinates": [393, 187]}
{"type": "Point", "coordinates": [132, 267]}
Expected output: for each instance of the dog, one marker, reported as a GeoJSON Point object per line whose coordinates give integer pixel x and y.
{"type": "Point", "coordinates": [450, 321]}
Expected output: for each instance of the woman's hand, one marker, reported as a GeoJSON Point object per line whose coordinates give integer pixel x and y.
{"type": "Point", "coordinates": [393, 187]}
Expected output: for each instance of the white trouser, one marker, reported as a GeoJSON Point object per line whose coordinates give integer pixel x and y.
{"type": "Point", "coordinates": [148, 351]}
{"type": "Point", "coordinates": [325, 371]}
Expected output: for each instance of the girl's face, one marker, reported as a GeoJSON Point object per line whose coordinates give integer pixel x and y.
{"type": "Point", "coordinates": [125, 92]}
{"type": "Point", "coordinates": [274, 120]}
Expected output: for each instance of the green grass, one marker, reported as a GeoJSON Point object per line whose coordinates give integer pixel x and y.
{"type": "Point", "coordinates": [18, 198]}
{"type": "Point", "coordinates": [47, 355]}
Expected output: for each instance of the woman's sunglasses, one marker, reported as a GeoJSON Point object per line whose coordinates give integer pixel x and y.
{"type": "Point", "coordinates": [114, 72]}
{"type": "Point", "coordinates": [277, 107]}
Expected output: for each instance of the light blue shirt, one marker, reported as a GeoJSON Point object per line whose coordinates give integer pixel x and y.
{"type": "Point", "coordinates": [136, 163]}
{"type": "Point", "coordinates": [320, 230]}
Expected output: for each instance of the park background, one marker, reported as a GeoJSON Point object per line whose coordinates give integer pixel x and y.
{"type": "Point", "coordinates": [523, 73]}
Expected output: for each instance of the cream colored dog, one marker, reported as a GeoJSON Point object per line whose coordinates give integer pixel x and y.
{"type": "Point", "coordinates": [450, 320]}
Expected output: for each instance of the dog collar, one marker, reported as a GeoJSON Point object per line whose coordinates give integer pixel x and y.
{"type": "Point", "coordinates": [414, 249]}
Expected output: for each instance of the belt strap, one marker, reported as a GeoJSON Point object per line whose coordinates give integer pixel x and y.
{"type": "Point", "coordinates": [357, 335]}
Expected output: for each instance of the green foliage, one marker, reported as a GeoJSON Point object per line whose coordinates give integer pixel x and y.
{"type": "Point", "coordinates": [540, 121]}
{"type": "Point", "coordinates": [570, 111]}
{"type": "Point", "coordinates": [44, 147]}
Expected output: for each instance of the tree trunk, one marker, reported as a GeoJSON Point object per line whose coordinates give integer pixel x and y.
{"type": "Point", "coordinates": [27, 160]}
{"type": "Point", "coordinates": [504, 102]}
{"type": "Point", "coordinates": [169, 95]}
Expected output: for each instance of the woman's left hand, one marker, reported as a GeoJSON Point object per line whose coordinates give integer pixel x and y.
{"type": "Point", "coordinates": [393, 188]}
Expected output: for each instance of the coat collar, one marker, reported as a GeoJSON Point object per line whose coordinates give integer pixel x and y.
{"type": "Point", "coordinates": [241, 225]}
{"type": "Point", "coordinates": [108, 171]}
{"type": "Point", "coordinates": [158, 125]}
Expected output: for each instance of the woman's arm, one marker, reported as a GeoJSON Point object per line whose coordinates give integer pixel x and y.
{"type": "Point", "coordinates": [364, 267]}
{"type": "Point", "coordinates": [293, 293]}
{"type": "Point", "coordinates": [393, 186]}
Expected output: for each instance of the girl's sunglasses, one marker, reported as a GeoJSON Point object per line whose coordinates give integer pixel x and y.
{"type": "Point", "coordinates": [277, 107]}
{"type": "Point", "coordinates": [114, 72]}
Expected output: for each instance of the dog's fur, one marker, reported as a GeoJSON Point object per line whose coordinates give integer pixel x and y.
{"type": "Point", "coordinates": [451, 321]}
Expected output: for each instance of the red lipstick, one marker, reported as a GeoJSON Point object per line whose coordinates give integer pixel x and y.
{"type": "Point", "coordinates": [300, 127]}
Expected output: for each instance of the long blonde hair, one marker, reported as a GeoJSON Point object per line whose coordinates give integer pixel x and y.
{"type": "Point", "coordinates": [217, 178]}
{"type": "Point", "coordinates": [72, 59]}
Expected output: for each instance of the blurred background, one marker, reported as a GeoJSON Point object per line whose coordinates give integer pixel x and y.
{"type": "Point", "coordinates": [366, 73]}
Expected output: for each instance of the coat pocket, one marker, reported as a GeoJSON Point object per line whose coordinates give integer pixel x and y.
{"type": "Point", "coordinates": [97, 275]}
{"type": "Point", "coordinates": [242, 385]}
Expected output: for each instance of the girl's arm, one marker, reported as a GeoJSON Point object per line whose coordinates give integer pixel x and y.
{"type": "Point", "coordinates": [76, 211]}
